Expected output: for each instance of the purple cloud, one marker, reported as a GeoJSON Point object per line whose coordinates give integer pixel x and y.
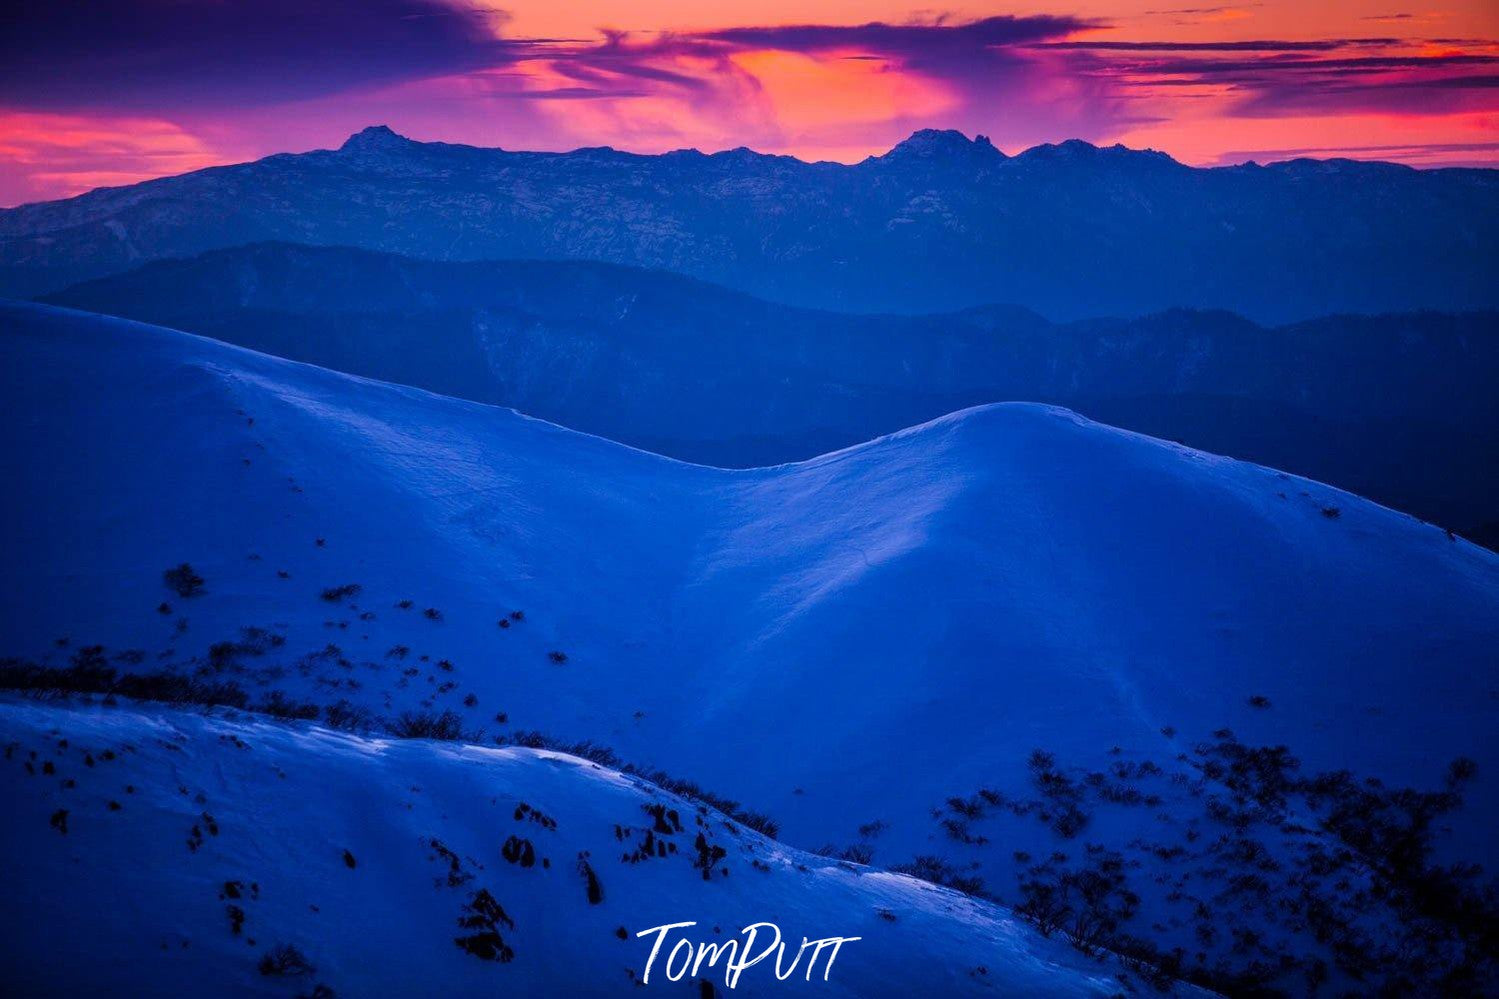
{"type": "Point", "coordinates": [146, 54]}
{"type": "Point", "coordinates": [1283, 78]}
{"type": "Point", "coordinates": [1318, 45]}
{"type": "Point", "coordinates": [941, 49]}
{"type": "Point", "coordinates": [905, 39]}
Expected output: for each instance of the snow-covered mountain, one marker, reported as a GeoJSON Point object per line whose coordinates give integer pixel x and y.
{"type": "Point", "coordinates": [1400, 409]}
{"type": "Point", "coordinates": [188, 850]}
{"type": "Point", "coordinates": [940, 222]}
{"type": "Point", "coordinates": [867, 646]}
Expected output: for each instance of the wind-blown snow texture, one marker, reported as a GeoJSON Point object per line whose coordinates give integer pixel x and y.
{"type": "Point", "coordinates": [850, 639]}
{"type": "Point", "coordinates": [363, 854]}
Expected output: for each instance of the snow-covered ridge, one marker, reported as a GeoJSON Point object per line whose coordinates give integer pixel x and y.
{"type": "Point", "coordinates": [186, 848]}
{"type": "Point", "coordinates": [1015, 550]}
{"type": "Point", "coordinates": [845, 644]}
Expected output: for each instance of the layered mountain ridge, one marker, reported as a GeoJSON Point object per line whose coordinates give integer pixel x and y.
{"type": "Point", "coordinates": [1397, 408]}
{"type": "Point", "coordinates": [939, 223]}
{"type": "Point", "coordinates": [903, 650]}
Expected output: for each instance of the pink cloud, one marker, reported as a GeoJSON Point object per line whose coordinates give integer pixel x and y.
{"type": "Point", "coordinates": [219, 82]}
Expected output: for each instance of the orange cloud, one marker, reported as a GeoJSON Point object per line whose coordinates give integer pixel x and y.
{"type": "Point", "coordinates": [834, 79]}
{"type": "Point", "coordinates": [830, 99]}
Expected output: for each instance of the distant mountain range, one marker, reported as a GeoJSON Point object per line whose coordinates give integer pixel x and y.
{"type": "Point", "coordinates": [940, 222]}
{"type": "Point", "coordinates": [1400, 408]}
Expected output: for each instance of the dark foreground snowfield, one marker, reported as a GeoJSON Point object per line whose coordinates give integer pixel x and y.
{"type": "Point", "coordinates": [869, 648]}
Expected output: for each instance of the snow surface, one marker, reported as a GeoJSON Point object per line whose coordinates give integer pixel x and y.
{"type": "Point", "coordinates": [849, 639]}
{"type": "Point", "coordinates": [122, 903]}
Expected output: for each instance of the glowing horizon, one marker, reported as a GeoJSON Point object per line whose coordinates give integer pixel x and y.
{"type": "Point", "coordinates": [110, 92]}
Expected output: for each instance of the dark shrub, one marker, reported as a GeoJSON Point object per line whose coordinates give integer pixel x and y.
{"type": "Point", "coordinates": [91, 677]}
{"type": "Point", "coordinates": [252, 642]}
{"type": "Point", "coordinates": [174, 689]}
{"type": "Point", "coordinates": [594, 888]}
{"type": "Point", "coordinates": [484, 916]}
{"type": "Point", "coordinates": [183, 581]}
{"type": "Point", "coordinates": [285, 960]}
{"type": "Point", "coordinates": [426, 725]}
{"type": "Point", "coordinates": [604, 756]}
{"type": "Point", "coordinates": [336, 594]}
{"type": "Point", "coordinates": [347, 716]}
{"type": "Point", "coordinates": [939, 872]}
{"type": "Point", "coordinates": [859, 853]}
{"type": "Point", "coordinates": [281, 706]}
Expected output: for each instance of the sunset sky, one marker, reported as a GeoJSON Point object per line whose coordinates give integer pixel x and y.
{"type": "Point", "coordinates": [105, 92]}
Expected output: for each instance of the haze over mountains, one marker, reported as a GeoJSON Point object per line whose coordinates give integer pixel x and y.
{"type": "Point", "coordinates": [850, 644]}
{"type": "Point", "coordinates": [940, 222]}
{"type": "Point", "coordinates": [1400, 408]}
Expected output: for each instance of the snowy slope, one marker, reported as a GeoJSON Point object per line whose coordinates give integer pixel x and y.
{"type": "Point", "coordinates": [1400, 409]}
{"type": "Point", "coordinates": [183, 848]}
{"type": "Point", "coordinates": [845, 641]}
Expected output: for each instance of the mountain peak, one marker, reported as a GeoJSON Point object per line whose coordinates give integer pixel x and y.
{"type": "Point", "coordinates": [374, 138]}
{"type": "Point", "coordinates": [934, 143]}
{"type": "Point", "coordinates": [1080, 150]}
